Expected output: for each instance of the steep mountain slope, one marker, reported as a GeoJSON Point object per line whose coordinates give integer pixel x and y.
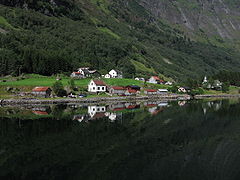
{"type": "Point", "coordinates": [213, 17]}
{"type": "Point", "coordinates": [58, 36]}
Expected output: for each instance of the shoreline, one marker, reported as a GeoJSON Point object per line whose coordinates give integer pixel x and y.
{"type": "Point", "coordinates": [114, 99]}
{"type": "Point", "coordinates": [94, 99]}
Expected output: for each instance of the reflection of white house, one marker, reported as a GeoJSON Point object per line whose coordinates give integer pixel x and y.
{"type": "Point", "coordinates": [97, 86]}
{"type": "Point", "coordinates": [111, 116]}
{"type": "Point", "coordinates": [93, 110]}
{"type": "Point", "coordinates": [115, 74]}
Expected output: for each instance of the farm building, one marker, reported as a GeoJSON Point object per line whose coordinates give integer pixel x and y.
{"type": "Point", "coordinates": [150, 91]}
{"type": "Point", "coordinates": [155, 80]}
{"type": "Point", "coordinates": [134, 87]}
{"type": "Point", "coordinates": [117, 90]}
{"type": "Point", "coordinates": [96, 86]}
{"type": "Point", "coordinates": [42, 91]}
{"type": "Point", "coordinates": [130, 92]}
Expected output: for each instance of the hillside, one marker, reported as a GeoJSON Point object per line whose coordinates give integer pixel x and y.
{"type": "Point", "coordinates": [45, 37]}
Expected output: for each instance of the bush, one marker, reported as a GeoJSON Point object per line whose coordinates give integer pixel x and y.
{"type": "Point", "coordinates": [58, 89]}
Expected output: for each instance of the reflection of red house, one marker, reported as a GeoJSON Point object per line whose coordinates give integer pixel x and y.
{"type": "Point", "coordinates": [133, 106]}
{"type": "Point", "coordinates": [98, 115]}
{"type": "Point", "coordinates": [40, 113]}
{"type": "Point", "coordinates": [118, 109]}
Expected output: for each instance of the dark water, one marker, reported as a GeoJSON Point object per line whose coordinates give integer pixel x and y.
{"type": "Point", "coordinates": [154, 140]}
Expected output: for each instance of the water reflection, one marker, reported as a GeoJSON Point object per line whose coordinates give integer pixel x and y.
{"type": "Point", "coordinates": [122, 141]}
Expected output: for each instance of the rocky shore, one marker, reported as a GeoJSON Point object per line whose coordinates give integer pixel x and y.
{"type": "Point", "coordinates": [94, 99]}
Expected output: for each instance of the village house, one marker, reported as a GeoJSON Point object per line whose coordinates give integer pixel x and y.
{"type": "Point", "coordinates": [115, 74]}
{"type": "Point", "coordinates": [42, 92]}
{"type": "Point", "coordinates": [130, 92]}
{"type": "Point", "coordinates": [150, 91]}
{"type": "Point", "coordinates": [134, 87]}
{"type": "Point", "coordinates": [97, 86]}
{"type": "Point", "coordinates": [83, 72]}
{"type": "Point", "coordinates": [77, 75]}
{"type": "Point", "coordinates": [155, 80]}
{"type": "Point", "coordinates": [140, 79]}
{"type": "Point", "coordinates": [117, 90]}
{"type": "Point", "coordinates": [168, 83]}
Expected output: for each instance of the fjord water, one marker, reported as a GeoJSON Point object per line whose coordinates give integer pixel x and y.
{"type": "Point", "coordinates": [151, 140]}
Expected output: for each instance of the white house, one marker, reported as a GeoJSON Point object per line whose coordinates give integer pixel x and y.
{"type": "Point", "coordinates": [115, 73]}
{"type": "Point", "coordinates": [168, 83]}
{"type": "Point", "coordinates": [107, 76]}
{"type": "Point", "coordinates": [96, 86]}
{"type": "Point", "coordinates": [155, 80]}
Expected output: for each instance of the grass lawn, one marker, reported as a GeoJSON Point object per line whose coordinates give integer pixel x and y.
{"type": "Point", "coordinates": [37, 80]}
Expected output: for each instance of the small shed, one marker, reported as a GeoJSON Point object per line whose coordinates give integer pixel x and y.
{"type": "Point", "coordinates": [162, 91]}
{"type": "Point", "coordinates": [42, 91]}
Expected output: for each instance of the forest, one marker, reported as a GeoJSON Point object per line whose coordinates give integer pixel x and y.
{"type": "Point", "coordinates": [38, 36]}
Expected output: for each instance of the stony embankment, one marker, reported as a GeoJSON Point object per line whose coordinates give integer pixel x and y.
{"type": "Point", "coordinates": [94, 99]}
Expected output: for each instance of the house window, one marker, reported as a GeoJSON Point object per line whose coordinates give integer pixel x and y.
{"type": "Point", "coordinates": [102, 109]}
{"type": "Point", "coordinates": [93, 88]}
{"type": "Point", "coordinates": [93, 109]}
{"type": "Point", "coordinates": [98, 109]}
{"type": "Point", "coordinates": [102, 88]}
{"type": "Point", "coordinates": [98, 88]}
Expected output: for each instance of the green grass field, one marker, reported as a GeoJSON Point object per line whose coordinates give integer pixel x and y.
{"type": "Point", "coordinates": [37, 80]}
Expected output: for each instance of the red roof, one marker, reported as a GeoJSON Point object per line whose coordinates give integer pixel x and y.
{"type": "Point", "coordinates": [118, 88]}
{"type": "Point", "coordinates": [77, 73]}
{"type": "Point", "coordinates": [40, 89]}
{"type": "Point", "coordinates": [151, 90]}
{"type": "Point", "coordinates": [132, 91]}
{"type": "Point", "coordinates": [156, 78]}
{"type": "Point", "coordinates": [40, 112]}
{"type": "Point", "coordinates": [99, 82]}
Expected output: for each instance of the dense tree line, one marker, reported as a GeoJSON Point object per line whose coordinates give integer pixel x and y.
{"type": "Point", "coordinates": [59, 37]}
{"type": "Point", "coordinates": [228, 77]}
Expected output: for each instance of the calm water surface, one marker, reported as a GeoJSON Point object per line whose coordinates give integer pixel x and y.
{"type": "Point", "coordinates": [122, 141]}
